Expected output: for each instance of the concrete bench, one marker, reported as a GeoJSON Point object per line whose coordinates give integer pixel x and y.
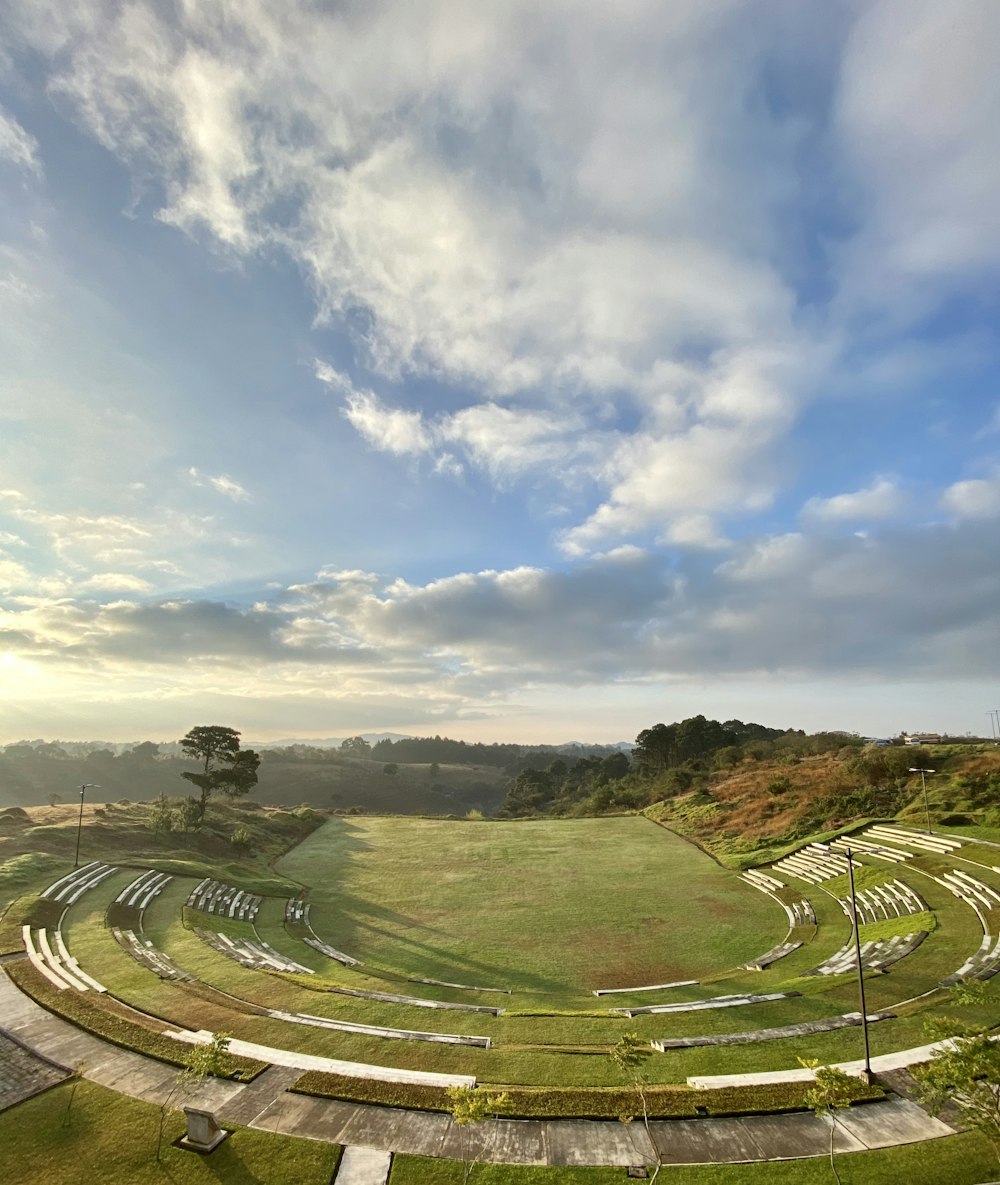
{"type": "Point", "coordinates": [737, 1001]}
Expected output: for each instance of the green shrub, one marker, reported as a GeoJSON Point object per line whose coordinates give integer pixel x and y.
{"type": "Point", "coordinates": [595, 1102]}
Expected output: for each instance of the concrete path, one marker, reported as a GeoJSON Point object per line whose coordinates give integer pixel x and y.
{"type": "Point", "coordinates": [363, 1166]}
{"type": "Point", "coordinates": [266, 1105]}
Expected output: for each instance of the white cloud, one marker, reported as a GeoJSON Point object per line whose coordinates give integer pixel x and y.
{"type": "Point", "coordinates": [388, 429]}
{"type": "Point", "coordinates": [882, 500]}
{"type": "Point", "coordinates": [121, 582]}
{"type": "Point", "coordinates": [221, 483]}
{"type": "Point", "coordinates": [975, 498]}
{"type": "Point", "coordinates": [918, 111]}
{"type": "Point", "coordinates": [17, 145]}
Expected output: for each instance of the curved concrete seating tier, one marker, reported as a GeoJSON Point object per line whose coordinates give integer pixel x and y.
{"type": "Point", "coordinates": [331, 952]}
{"type": "Point", "coordinates": [966, 886]}
{"type": "Point", "coordinates": [224, 900]}
{"type": "Point", "coordinates": [146, 886]}
{"type": "Point", "coordinates": [893, 899]}
{"type": "Point", "coordinates": [879, 851]}
{"type": "Point", "coordinates": [347, 1026]}
{"type": "Point", "coordinates": [327, 1065]}
{"type": "Point", "coordinates": [761, 880]}
{"type": "Point", "coordinates": [415, 1001]}
{"type": "Point", "coordinates": [984, 964]}
{"type": "Point", "coordinates": [752, 1036]}
{"type": "Point", "coordinates": [58, 966]}
{"type": "Point", "coordinates": [258, 956]}
{"type": "Point", "coordinates": [940, 845]}
{"type": "Point", "coordinates": [875, 955]}
{"type": "Point", "coordinates": [653, 987]}
{"type": "Point", "coordinates": [297, 911]}
{"type": "Point", "coordinates": [71, 887]}
{"type": "Point", "coordinates": [143, 951]}
{"type": "Point", "coordinates": [772, 956]}
{"type": "Point", "coordinates": [703, 1005]}
{"type": "Point", "coordinates": [814, 864]}
{"type": "Point", "coordinates": [462, 987]}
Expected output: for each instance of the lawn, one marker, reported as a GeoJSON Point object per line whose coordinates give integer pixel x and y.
{"type": "Point", "coordinates": [955, 1160]}
{"type": "Point", "coordinates": [110, 1139]}
{"type": "Point", "coordinates": [544, 906]}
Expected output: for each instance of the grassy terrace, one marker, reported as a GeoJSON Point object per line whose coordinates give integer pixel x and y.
{"type": "Point", "coordinates": [361, 870]}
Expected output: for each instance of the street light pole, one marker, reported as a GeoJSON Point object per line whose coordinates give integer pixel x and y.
{"type": "Point", "coordinates": [79, 826]}
{"type": "Point", "coordinates": [923, 786]}
{"type": "Point", "coordinates": [861, 975]}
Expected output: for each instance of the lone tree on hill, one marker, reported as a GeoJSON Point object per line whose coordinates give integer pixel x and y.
{"type": "Point", "coordinates": [226, 766]}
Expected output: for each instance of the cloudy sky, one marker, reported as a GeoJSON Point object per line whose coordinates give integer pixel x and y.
{"type": "Point", "coordinates": [526, 371]}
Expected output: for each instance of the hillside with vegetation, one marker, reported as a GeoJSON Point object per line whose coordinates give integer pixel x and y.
{"type": "Point", "coordinates": [746, 793]}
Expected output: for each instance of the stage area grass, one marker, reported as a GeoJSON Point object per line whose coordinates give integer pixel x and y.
{"type": "Point", "coordinates": [543, 906]}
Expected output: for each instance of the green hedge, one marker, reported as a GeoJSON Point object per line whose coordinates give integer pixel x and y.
{"type": "Point", "coordinates": [596, 1102]}
{"type": "Point", "coordinates": [114, 1022]}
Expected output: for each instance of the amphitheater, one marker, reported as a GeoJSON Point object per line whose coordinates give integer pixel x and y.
{"type": "Point", "coordinates": [413, 956]}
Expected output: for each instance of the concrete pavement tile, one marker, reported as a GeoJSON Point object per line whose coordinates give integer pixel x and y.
{"type": "Point", "coordinates": [699, 1141]}
{"type": "Point", "coordinates": [584, 1142]}
{"type": "Point", "coordinates": [300, 1115]}
{"type": "Point", "coordinates": [500, 1141]}
{"type": "Point", "coordinates": [363, 1166]}
{"type": "Point", "coordinates": [896, 1121]}
{"type": "Point", "coordinates": [421, 1133]}
{"type": "Point", "coordinates": [784, 1137]}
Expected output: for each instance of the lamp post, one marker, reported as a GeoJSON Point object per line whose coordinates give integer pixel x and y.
{"type": "Point", "coordinates": [923, 786]}
{"type": "Point", "coordinates": [79, 827]}
{"type": "Point", "coordinates": [861, 976]}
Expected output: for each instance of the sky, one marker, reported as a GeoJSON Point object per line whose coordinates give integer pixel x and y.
{"type": "Point", "coordinates": [522, 371]}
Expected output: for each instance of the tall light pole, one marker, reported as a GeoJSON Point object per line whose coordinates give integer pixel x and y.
{"type": "Point", "coordinates": [79, 827]}
{"type": "Point", "coordinates": [861, 974]}
{"type": "Point", "coordinates": [923, 786]}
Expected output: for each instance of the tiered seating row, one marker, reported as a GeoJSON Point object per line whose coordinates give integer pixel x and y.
{"type": "Point", "coordinates": [804, 1029]}
{"type": "Point", "coordinates": [71, 887]}
{"type": "Point", "coordinates": [878, 850]}
{"type": "Point", "coordinates": [984, 964]}
{"type": "Point", "coordinates": [224, 900]}
{"type": "Point", "coordinates": [345, 1026]}
{"type": "Point", "coordinates": [259, 956]}
{"type": "Point", "coordinates": [970, 890]}
{"type": "Point", "coordinates": [415, 1001]}
{"type": "Point", "coordinates": [58, 966]}
{"type": "Point", "coordinates": [874, 955]}
{"type": "Point", "coordinates": [143, 951]}
{"type": "Point", "coordinates": [761, 880]}
{"type": "Point", "coordinates": [772, 956]}
{"type": "Point", "coordinates": [940, 845]}
{"type": "Point", "coordinates": [297, 911]}
{"type": "Point", "coordinates": [814, 863]}
{"type": "Point", "coordinates": [703, 1005]}
{"type": "Point", "coordinates": [331, 952]}
{"type": "Point", "coordinates": [880, 902]}
{"type": "Point", "coordinates": [800, 913]}
{"type": "Point", "coordinates": [143, 889]}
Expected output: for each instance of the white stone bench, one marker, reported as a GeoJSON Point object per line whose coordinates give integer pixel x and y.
{"type": "Point", "coordinates": [328, 1065]}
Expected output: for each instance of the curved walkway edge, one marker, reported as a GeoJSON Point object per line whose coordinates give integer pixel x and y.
{"type": "Point", "coordinates": [266, 1105]}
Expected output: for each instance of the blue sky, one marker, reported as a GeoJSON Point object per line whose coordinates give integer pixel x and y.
{"type": "Point", "coordinates": [513, 372]}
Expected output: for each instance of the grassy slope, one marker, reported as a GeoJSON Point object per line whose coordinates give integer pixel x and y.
{"type": "Point", "coordinates": [111, 1139]}
{"type": "Point", "coordinates": [744, 823]}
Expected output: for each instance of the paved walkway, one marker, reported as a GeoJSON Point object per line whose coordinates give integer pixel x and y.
{"type": "Point", "coordinates": [265, 1104]}
{"type": "Point", "coordinates": [363, 1166]}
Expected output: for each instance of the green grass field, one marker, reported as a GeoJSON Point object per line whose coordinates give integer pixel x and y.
{"type": "Point", "coordinates": [544, 906]}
